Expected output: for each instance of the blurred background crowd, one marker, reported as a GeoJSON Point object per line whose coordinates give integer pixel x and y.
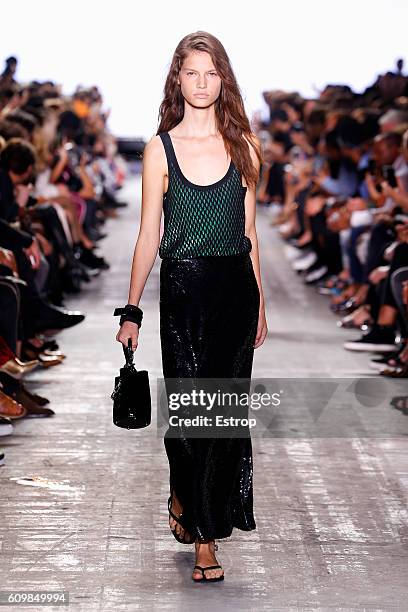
{"type": "Point", "coordinates": [335, 181]}
{"type": "Point", "coordinates": [60, 173]}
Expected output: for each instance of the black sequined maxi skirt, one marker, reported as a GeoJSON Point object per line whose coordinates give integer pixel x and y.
{"type": "Point", "coordinates": [208, 320]}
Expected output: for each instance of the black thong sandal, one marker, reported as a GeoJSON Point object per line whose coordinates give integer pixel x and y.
{"type": "Point", "coordinates": [204, 579]}
{"type": "Point", "coordinates": [186, 538]}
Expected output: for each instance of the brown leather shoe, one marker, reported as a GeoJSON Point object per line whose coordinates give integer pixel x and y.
{"type": "Point", "coordinates": [17, 368]}
{"type": "Point", "coordinates": [33, 409]}
{"type": "Point", "coordinates": [399, 372]}
{"type": "Point", "coordinates": [10, 408]}
{"type": "Point", "coordinates": [39, 412]}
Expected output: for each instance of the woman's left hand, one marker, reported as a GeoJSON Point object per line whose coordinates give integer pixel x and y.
{"type": "Point", "coordinates": [388, 191]}
{"type": "Point", "coordinates": [262, 328]}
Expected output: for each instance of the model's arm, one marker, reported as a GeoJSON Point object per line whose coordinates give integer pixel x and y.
{"type": "Point", "coordinates": [148, 240]}
{"type": "Point", "coordinates": [250, 231]}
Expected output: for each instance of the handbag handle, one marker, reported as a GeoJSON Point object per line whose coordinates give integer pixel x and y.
{"type": "Point", "coordinates": [128, 353]}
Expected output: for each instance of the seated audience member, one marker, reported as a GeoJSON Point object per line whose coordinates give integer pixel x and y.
{"type": "Point", "coordinates": [60, 173]}
{"type": "Point", "coordinates": [342, 188]}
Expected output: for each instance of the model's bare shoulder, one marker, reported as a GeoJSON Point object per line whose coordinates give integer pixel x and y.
{"type": "Point", "coordinates": [154, 155]}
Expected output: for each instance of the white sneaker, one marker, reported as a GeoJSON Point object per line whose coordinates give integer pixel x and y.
{"type": "Point", "coordinates": [379, 339]}
{"type": "Point", "coordinates": [285, 227]}
{"type": "Point", "coordinates": [380, 367]}
{"type": "Point", "coordinates": [315, 275]}
{"type": "Point", "coordinates": [292, 253]}
{"type": "Point", "coordinates": [274, 210]}
{"type": "Point", "coordinates": [303, 263]}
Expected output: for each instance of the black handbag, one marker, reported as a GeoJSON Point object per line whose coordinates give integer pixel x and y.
{"type": "Point", "coordinates": [132, 406]}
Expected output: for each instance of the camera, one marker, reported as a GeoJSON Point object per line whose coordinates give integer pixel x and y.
{"type": "Point", "coordinates": [389, 176]}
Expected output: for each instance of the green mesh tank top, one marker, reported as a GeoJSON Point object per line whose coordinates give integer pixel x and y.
{"type": "Point", "coordinates": [202, 220]}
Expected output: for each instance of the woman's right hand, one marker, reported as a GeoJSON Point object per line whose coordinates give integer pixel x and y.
{"type": "Point", "coordinates": [128, 330]}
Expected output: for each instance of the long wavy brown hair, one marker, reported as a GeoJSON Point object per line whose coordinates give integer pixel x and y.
{"type": "Point", "coordinates": [231, 118]}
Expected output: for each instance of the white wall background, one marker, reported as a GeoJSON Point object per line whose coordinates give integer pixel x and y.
{"type": "Point", "coordinates": [125, 46]}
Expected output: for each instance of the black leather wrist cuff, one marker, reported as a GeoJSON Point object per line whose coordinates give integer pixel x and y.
{"type": "Point", "coordinates": [129, 313]}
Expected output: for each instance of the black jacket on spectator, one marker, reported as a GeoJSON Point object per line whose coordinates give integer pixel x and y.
{"type": "Point", "coordinates": [10, 237]}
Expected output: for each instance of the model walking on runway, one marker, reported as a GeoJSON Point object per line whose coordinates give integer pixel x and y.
{"type": "Point", "coordinates": [201, 170]}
